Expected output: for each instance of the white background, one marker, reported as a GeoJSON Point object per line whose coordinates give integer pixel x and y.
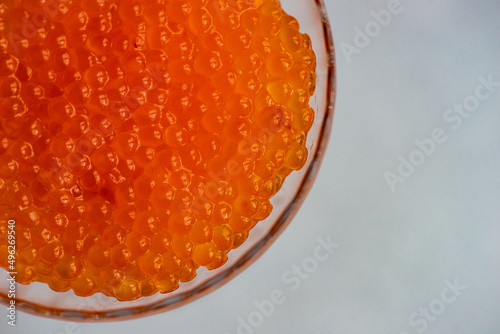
{"type": "Point", "coordinates": [397, 248]}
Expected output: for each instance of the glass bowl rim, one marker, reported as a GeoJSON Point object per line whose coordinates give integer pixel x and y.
{"type": "Point", "coordinates": [250, 255]}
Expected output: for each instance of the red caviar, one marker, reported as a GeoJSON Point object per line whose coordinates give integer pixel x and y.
{"type": "Point", "coordinates": [140, 140]}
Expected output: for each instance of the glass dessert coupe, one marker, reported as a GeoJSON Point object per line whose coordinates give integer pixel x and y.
{"type": "Point", "coordinates": [37, 298]}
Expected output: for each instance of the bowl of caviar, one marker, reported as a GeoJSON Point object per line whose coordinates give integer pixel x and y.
{"type": "Point", "coordinates": [152, 150]}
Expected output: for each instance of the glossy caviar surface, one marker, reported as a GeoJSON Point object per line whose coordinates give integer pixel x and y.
{"type": "Point", "coordinates": [140, 140]}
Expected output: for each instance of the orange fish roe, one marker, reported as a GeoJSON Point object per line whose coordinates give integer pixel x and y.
{"type": "Point", "coordinates": [140, 140]}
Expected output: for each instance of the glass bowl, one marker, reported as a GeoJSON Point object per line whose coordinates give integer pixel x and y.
{"type": "Point", "coordinates": [37, 298]}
